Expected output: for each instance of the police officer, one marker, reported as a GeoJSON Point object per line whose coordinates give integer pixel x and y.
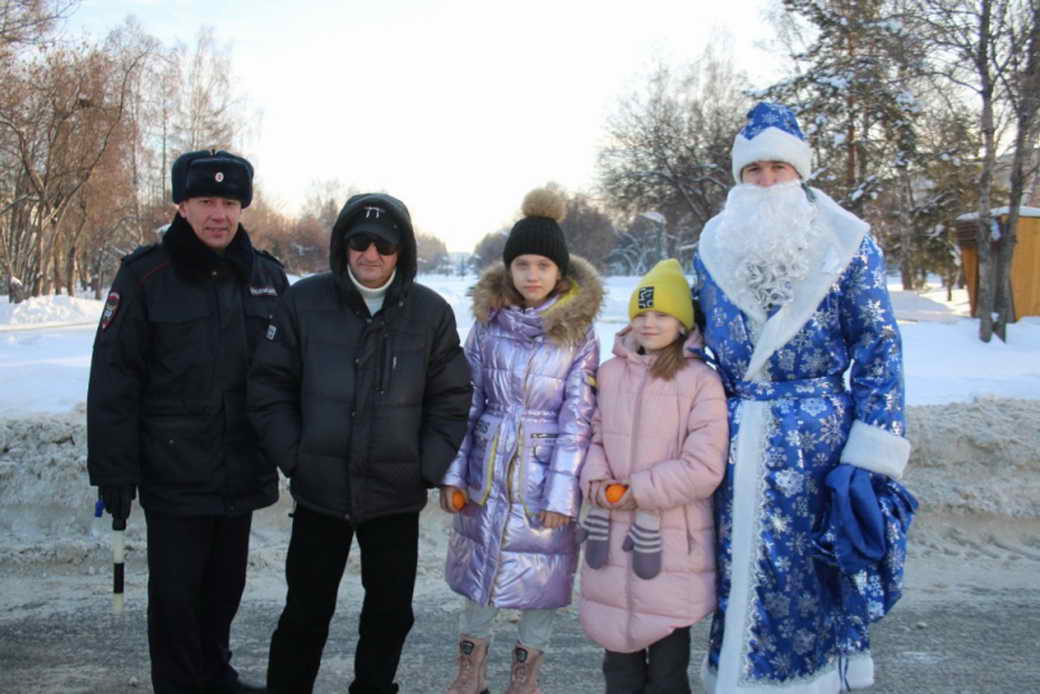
{"type": "Point", "coordinates": [166, 416]}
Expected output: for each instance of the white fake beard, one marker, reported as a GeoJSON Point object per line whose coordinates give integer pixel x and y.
{"type": "Point", "coordinates": [772, 236]}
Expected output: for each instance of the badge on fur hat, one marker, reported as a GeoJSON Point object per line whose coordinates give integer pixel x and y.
{"type": "Point", "coordinates": [111, 306]}
{"type": "Point", "coordinates": [219, 176]}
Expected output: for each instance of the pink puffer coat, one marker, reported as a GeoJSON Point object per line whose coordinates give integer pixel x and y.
{"type": "Point", "coordinates": [668, 440]}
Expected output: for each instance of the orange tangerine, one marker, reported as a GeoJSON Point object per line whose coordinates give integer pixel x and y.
{"type": "Point", "coordinates": [458, 500]}
{"type": "Point", "coordinates": [615, 492]}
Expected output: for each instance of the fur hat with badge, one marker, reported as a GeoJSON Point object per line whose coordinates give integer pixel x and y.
{"type": "Point", "coordinates": [212, 173]}
{"type": "Point", "coordinates": [539, 231]}
{"type": "Point", "coordinates": [664, 289]}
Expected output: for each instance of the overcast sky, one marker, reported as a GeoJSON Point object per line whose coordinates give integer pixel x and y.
{"type": "Point", "coordinates": [456, 107]}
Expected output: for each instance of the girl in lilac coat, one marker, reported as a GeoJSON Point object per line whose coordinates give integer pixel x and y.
{"type": "Point", "coordinates": [660, 430]}
{"type": "Point", "coordinates": [533, 356]}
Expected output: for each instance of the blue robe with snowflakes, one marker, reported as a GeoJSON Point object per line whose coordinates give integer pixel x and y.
{"type": "Point", "coordinates": [788, 619]}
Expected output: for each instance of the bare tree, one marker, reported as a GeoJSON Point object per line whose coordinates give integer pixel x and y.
{"type": "Point", "coordinates": [668, 148]}
{"type": "Point", "coordinates": [58, 117]}
{"type": "Point", "coordinates": [979, 46]}
{"type": "Point", "coordinates": [1021, 81]}
{"type": "Point", "coordinates": [432, 253]}
{"type": "Point", "coordinates": [29, 22]}
{"type": "Point", "coordinates": [588, 229]}
{"type": "Point", "coordinates": [489, 249]}
{"type": "Point", "coordinates": [208, 108]}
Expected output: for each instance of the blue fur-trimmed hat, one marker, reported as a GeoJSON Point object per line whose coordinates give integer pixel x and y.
{"type": "Point", "coordinates": [771, 134]}
{"type": "Point", "coordinates": [212, 173]}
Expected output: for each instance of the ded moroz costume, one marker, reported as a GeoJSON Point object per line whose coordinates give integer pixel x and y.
{"type": "Point", "coordinates": [794, 291]}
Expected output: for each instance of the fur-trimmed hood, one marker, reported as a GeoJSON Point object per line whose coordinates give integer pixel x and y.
{"type": "Point", "coordinates": [565, 320]}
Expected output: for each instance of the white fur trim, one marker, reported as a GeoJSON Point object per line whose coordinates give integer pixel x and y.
{"type": "Point", "coordinates": [751, 443]}
{"type": "Point", "coordinates": [772, 144]}
{"type": "Point", "coordinates": [872, 448]}
{"type": "Point", "coordinates": [827, 682]}
{"type": "Point", "coordinates": [861, 671]}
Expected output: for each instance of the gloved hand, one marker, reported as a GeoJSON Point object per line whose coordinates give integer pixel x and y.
{"type": "Point", "coordinates": [117, 498]}
{"type": "Point", "coordinates": [447, 495]}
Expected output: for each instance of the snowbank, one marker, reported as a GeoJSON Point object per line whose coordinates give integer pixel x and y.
{"type": "Point", "coordinates": [50, 310]}
{"type": "Point", "coordinates": [982, 457]}
{"type": "Point", "coordinates": [970, 460]}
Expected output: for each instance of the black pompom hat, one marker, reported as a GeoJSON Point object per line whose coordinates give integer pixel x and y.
{"type": "Point", "coordinates": [539, 231]}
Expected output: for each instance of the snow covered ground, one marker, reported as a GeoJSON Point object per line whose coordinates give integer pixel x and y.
{"type": "Point", "coordinates": [45, 346]}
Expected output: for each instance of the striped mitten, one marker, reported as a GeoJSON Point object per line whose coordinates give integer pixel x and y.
{"type": "Point", "coordinates": [644, 541]}
{"type": "Point", "coordinates": [596, 532]}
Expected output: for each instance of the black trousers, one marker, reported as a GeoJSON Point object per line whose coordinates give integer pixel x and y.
{"type": "Point", "coordinates": [659, 669]}
{"type": "Point", "coordinates": [317, 557]}
{"type": "Point", "coordinates": [196, 574]}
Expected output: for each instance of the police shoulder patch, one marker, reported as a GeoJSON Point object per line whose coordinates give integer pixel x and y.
{"type": "Point", "coordinates": [111, 307]}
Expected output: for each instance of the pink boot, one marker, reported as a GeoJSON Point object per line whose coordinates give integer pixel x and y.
{"type": "Point", "coordinates": [472, 677]}
{"type": "Point", "coordinates": [524, 677]}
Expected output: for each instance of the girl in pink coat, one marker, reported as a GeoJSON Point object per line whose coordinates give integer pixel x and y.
{"type": "Point", "coordinates": [660, 429]}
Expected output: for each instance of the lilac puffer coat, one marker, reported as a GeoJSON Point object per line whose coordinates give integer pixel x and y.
{"type": "Point", "coordinates": [533, 372]}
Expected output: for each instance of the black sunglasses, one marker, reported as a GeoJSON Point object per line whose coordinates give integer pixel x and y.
{"type": "Point", "coordinates": [361, 242]}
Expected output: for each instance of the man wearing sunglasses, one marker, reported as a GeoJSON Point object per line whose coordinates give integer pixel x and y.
{"type": "Point", "coordinates": [360, 393]}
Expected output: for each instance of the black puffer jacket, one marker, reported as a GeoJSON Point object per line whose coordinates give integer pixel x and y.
{"type": "Point", "coordinates": [166, 402]}
{"type": "Point", "coordinates": [364, 413]}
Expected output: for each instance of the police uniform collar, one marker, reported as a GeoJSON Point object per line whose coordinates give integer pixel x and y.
{"type": "Point", "coordinates": [194, 260]}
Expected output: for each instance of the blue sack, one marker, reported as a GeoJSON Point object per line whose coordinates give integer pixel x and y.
{"type": "Point", "coordinates": [865, 527]}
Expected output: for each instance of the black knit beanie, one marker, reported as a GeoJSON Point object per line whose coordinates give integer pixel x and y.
{"type": "Point", "coordinates": [539, 231]}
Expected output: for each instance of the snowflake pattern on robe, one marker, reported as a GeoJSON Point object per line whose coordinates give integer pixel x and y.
{"type": "Point", "coordinates": [800, 613]}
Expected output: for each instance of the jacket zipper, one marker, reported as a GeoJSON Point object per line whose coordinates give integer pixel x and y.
{"type": "Point", "coordinates": [489, 476]}
{"type": "Point", "coordinates": [505, 527]}
{"type": "Point", "coordinates": [387, 364]}
{"type": "Point", "coordinates": [517, 455]}
{"type": "Point", "coordinates": [635, 421]}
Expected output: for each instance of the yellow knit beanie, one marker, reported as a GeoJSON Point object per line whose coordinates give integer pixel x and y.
{"type": "Point", "coordinates": [664, 289]}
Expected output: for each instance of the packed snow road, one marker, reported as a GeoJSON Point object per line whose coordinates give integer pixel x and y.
{"type": "Point", "coordinates": [969, 624]}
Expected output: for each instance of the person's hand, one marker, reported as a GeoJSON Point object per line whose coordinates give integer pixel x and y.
{"type": "Point", "coordinates": [449, 497]}
{"type": "Point", "coordinates": [553, 520]}
{"type": "Point", "coordinates": [597, 493]}
{"type": "Point", "coordinates": [117, 498]}
{"type": "Point", "coordinates": [625, 503]}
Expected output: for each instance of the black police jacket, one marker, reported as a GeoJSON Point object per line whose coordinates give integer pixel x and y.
{"type": "Point", "coordinates": [166, 401]}
{"type": "Point", "coordinates": [364, 413]}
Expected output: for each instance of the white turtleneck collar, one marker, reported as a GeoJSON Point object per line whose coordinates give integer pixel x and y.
{"type": "Point", "coordinates": [373, 298]}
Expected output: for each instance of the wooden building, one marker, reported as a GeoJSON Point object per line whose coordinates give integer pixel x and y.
{"type": "Point", "coordinates": [1025, 265]}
